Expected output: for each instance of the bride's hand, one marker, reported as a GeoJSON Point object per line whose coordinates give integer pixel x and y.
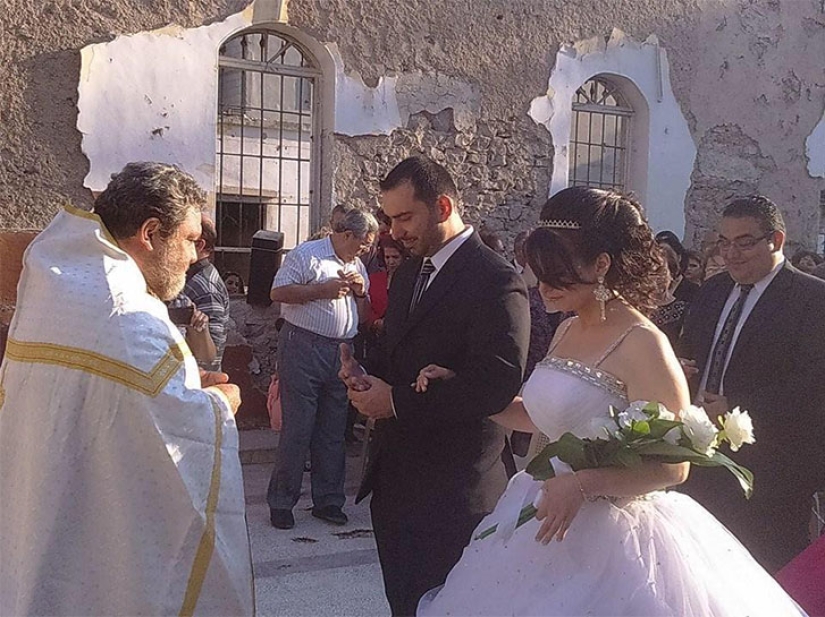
{"type": "Point", "coordinates": [559, 505]}
{"type": "Point", "coordinates": [430, 372]}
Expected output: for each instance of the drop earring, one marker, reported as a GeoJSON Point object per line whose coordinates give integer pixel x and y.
{"type": "Point", "coordinates": [602, 295]}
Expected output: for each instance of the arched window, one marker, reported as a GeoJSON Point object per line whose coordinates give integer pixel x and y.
{"type": "Point", "coordinates": [600, 136]}
{"type": "Point", "coordinates": [267, 146]}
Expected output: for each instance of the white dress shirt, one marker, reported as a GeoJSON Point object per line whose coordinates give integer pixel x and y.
{"type": "Point", "coordinates": [439, 260]}
{"type": "Point", "coordinates": [753, 297]}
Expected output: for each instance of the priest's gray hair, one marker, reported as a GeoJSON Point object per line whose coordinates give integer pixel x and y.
{"type": "Point", "coordinates": [141, 191]}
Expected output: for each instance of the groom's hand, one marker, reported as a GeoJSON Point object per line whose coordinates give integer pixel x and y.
{"type": "Point", "coordinates": [374, 402]}
{"type": "Point", "coordinates": [351, 373]}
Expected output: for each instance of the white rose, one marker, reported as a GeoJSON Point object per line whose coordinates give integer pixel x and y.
{"type": "Point", "coordinates": [738, 428]}
{"type": "Point", "coordinates": [699, 429]}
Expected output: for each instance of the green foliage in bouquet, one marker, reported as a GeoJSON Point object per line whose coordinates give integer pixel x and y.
{"type": "Point", "coordinates": [647, 432]}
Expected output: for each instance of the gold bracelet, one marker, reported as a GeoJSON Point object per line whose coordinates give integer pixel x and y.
{"type": "Point", "coordinates": [585, 496]}
{"type": "Point", "coordinates": [581, 488]}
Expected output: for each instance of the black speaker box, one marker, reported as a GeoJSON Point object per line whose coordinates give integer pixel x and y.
{"type": "Point", "coordinates": [267, 251]}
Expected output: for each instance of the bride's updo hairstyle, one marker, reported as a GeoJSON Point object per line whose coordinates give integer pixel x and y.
{"type": "Point", "coordinates": [578, 224]}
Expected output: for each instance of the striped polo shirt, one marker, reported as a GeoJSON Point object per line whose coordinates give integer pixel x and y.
{"type": "Point", "coordinates": [315, 262]}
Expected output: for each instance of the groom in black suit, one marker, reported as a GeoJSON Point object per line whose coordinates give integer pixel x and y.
{"type": "Point", "coordinates": [757, 336]}
{"type": "Point", "coordinates": [435, 467]}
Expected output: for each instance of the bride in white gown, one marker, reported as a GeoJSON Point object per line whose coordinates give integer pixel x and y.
{"type": "Point", "coordinates": [606, 541]}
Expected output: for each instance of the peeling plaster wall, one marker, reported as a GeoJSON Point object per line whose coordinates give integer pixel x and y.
{"type": "Point", "coordinates": [815, 150]}
{"type": "Point", "coordinates": [453, 80]}
{"type": "Point", "coordinates": [153, 97]}
{"type": "Point", "coordinates": [663, 153]}
{"type": "Point", "coordinates": [755, 91]}
{"type": "Point", "coordinates": [41, 162]}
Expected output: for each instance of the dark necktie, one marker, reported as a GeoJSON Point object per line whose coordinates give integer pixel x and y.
{"type": "Point", "coordinates": [722, 348]}
{"type": "Point", "coordinates": [427, 268]}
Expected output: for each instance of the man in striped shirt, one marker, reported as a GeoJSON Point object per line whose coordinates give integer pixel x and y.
{"type": "Point", "coordinates": [206, 289]}
{"type": "Point", "coordinates": [322, 287]}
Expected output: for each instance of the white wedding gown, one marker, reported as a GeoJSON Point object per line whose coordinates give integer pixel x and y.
{"type": "Point", "coordinates": [659, 554]}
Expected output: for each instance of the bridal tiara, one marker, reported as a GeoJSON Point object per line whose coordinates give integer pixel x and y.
{"type": "Point", "coordinates": [559, 224]}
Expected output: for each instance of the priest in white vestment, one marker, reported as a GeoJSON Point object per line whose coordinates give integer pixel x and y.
{"type": "Point", "coordinates": [120, 484]}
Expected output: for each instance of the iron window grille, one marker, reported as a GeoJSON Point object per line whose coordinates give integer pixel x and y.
{"type": "Point", "coordinates": [599, 145]}
{"type": "Point", "coordinates": [266, 144]}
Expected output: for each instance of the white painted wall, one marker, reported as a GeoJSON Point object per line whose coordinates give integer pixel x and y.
{"type": "Point", "coordinates": [359, 109]}
{"type": "Point", "coordinates": [153, 97]}
{"type": "Point", "coordinates": [815, 150]}
{"type": "Point", "coordinates": [669, 151]}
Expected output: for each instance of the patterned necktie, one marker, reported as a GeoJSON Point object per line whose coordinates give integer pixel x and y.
{"type": "Point", "coordinates": [722, 348]}
{"type": "Point", "coordinates": [427, 268]}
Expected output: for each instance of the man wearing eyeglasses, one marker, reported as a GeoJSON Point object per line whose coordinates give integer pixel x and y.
{"type": "Point", "coordinates": [322, 287]}
{"type": "Point", "coordinates": [755, 339]}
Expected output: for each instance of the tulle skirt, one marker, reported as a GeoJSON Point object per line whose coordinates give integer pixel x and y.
{"type": "Point", "coordinates": [662, 554]}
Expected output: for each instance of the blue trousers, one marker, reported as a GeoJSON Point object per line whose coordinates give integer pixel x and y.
{"type": "Point", "coordinates": [314, 404]}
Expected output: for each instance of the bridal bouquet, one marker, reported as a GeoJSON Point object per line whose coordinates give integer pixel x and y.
{"type": "Point", "coordinates": [647, 432]}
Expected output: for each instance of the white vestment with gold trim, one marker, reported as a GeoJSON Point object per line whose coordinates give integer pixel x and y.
{"type": "Point", "coordinates": [120, 483]}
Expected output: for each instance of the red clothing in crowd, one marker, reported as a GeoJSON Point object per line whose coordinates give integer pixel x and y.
{"type": "Point", "coordinates": [378, 293]}
{"type": "Point", "coordinates": [803, 578]}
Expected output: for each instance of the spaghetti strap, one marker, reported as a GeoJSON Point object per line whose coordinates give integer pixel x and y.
{"type": "Point", "coordinates": [565, 325]}
{"type": "Point", "coordinates": [617, 342]}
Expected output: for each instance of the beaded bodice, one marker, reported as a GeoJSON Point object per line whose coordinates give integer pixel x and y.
{"type": "Point", "coordinates": [566, 395]}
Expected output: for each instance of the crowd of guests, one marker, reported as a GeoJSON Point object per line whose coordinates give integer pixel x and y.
{"type": "Point", "coordinates": [379, 255]}
{"type": "Point", "coordinates": [335, 289]}
{"type": "Point", "coordinates": [695, 315]}
{"type": "Point", "coordinates": [394, 293]}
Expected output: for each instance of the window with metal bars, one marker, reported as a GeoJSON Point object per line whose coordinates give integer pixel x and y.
{"type": "Point", "coordinates": [266, 144]}
{"type": "Point", "coordinates": [600, 136]}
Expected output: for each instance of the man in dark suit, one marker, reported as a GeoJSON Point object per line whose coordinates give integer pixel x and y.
{"type": "Point", "coordinates": [435, 461]}
{"type": "Point", "coordinates": [756, 336]}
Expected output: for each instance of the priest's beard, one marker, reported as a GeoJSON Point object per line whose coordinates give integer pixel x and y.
{"type": "Point", "coordinates": [165, 271]}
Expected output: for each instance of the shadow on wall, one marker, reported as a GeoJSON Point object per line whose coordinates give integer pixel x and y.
{"type": "Point", "coordinates": [57, 165]}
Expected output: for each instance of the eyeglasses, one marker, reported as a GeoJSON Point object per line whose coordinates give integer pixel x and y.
{"type": "Point", "coordinates": [743, 243]}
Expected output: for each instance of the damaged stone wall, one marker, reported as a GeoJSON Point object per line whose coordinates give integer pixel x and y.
{"type": "Point", "coordinates": [729, 164]}
{"type": "Point", "coordinates": [756, 93]}
{"type": "Point", "coordinates": [504, 53]}
{"type": "Point", "coordinates": [746, 74]}
{"type": "Point", "coordinates": [752, 66]}
{"type": "Point", "coordinates": [501, 167]}
{"type": "Point", "coordinates": [41, 164]}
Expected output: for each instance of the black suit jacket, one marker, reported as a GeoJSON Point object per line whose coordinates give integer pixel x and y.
{"type": "Point", "coordinates": [775, 373]}
{"type": "Point", "coordinates": [442, 451]}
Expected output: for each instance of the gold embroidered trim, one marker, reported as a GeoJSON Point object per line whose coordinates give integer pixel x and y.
{"type": "Point", "coordinates": [151, 383]}
{"type": "Point", "coordinates": [207, 544]}
{"type": "Point", "coordinates": [85, 214]}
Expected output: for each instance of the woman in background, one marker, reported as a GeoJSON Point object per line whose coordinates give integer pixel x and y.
{"type": "Point", "coordinates": [807, 261]}
{"type": "Point", "coordinates": [234, 284]}
{"type": "Point", "coordinates": [695, 270]}
{"type": "Point", "coordinates": [392, 253]}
